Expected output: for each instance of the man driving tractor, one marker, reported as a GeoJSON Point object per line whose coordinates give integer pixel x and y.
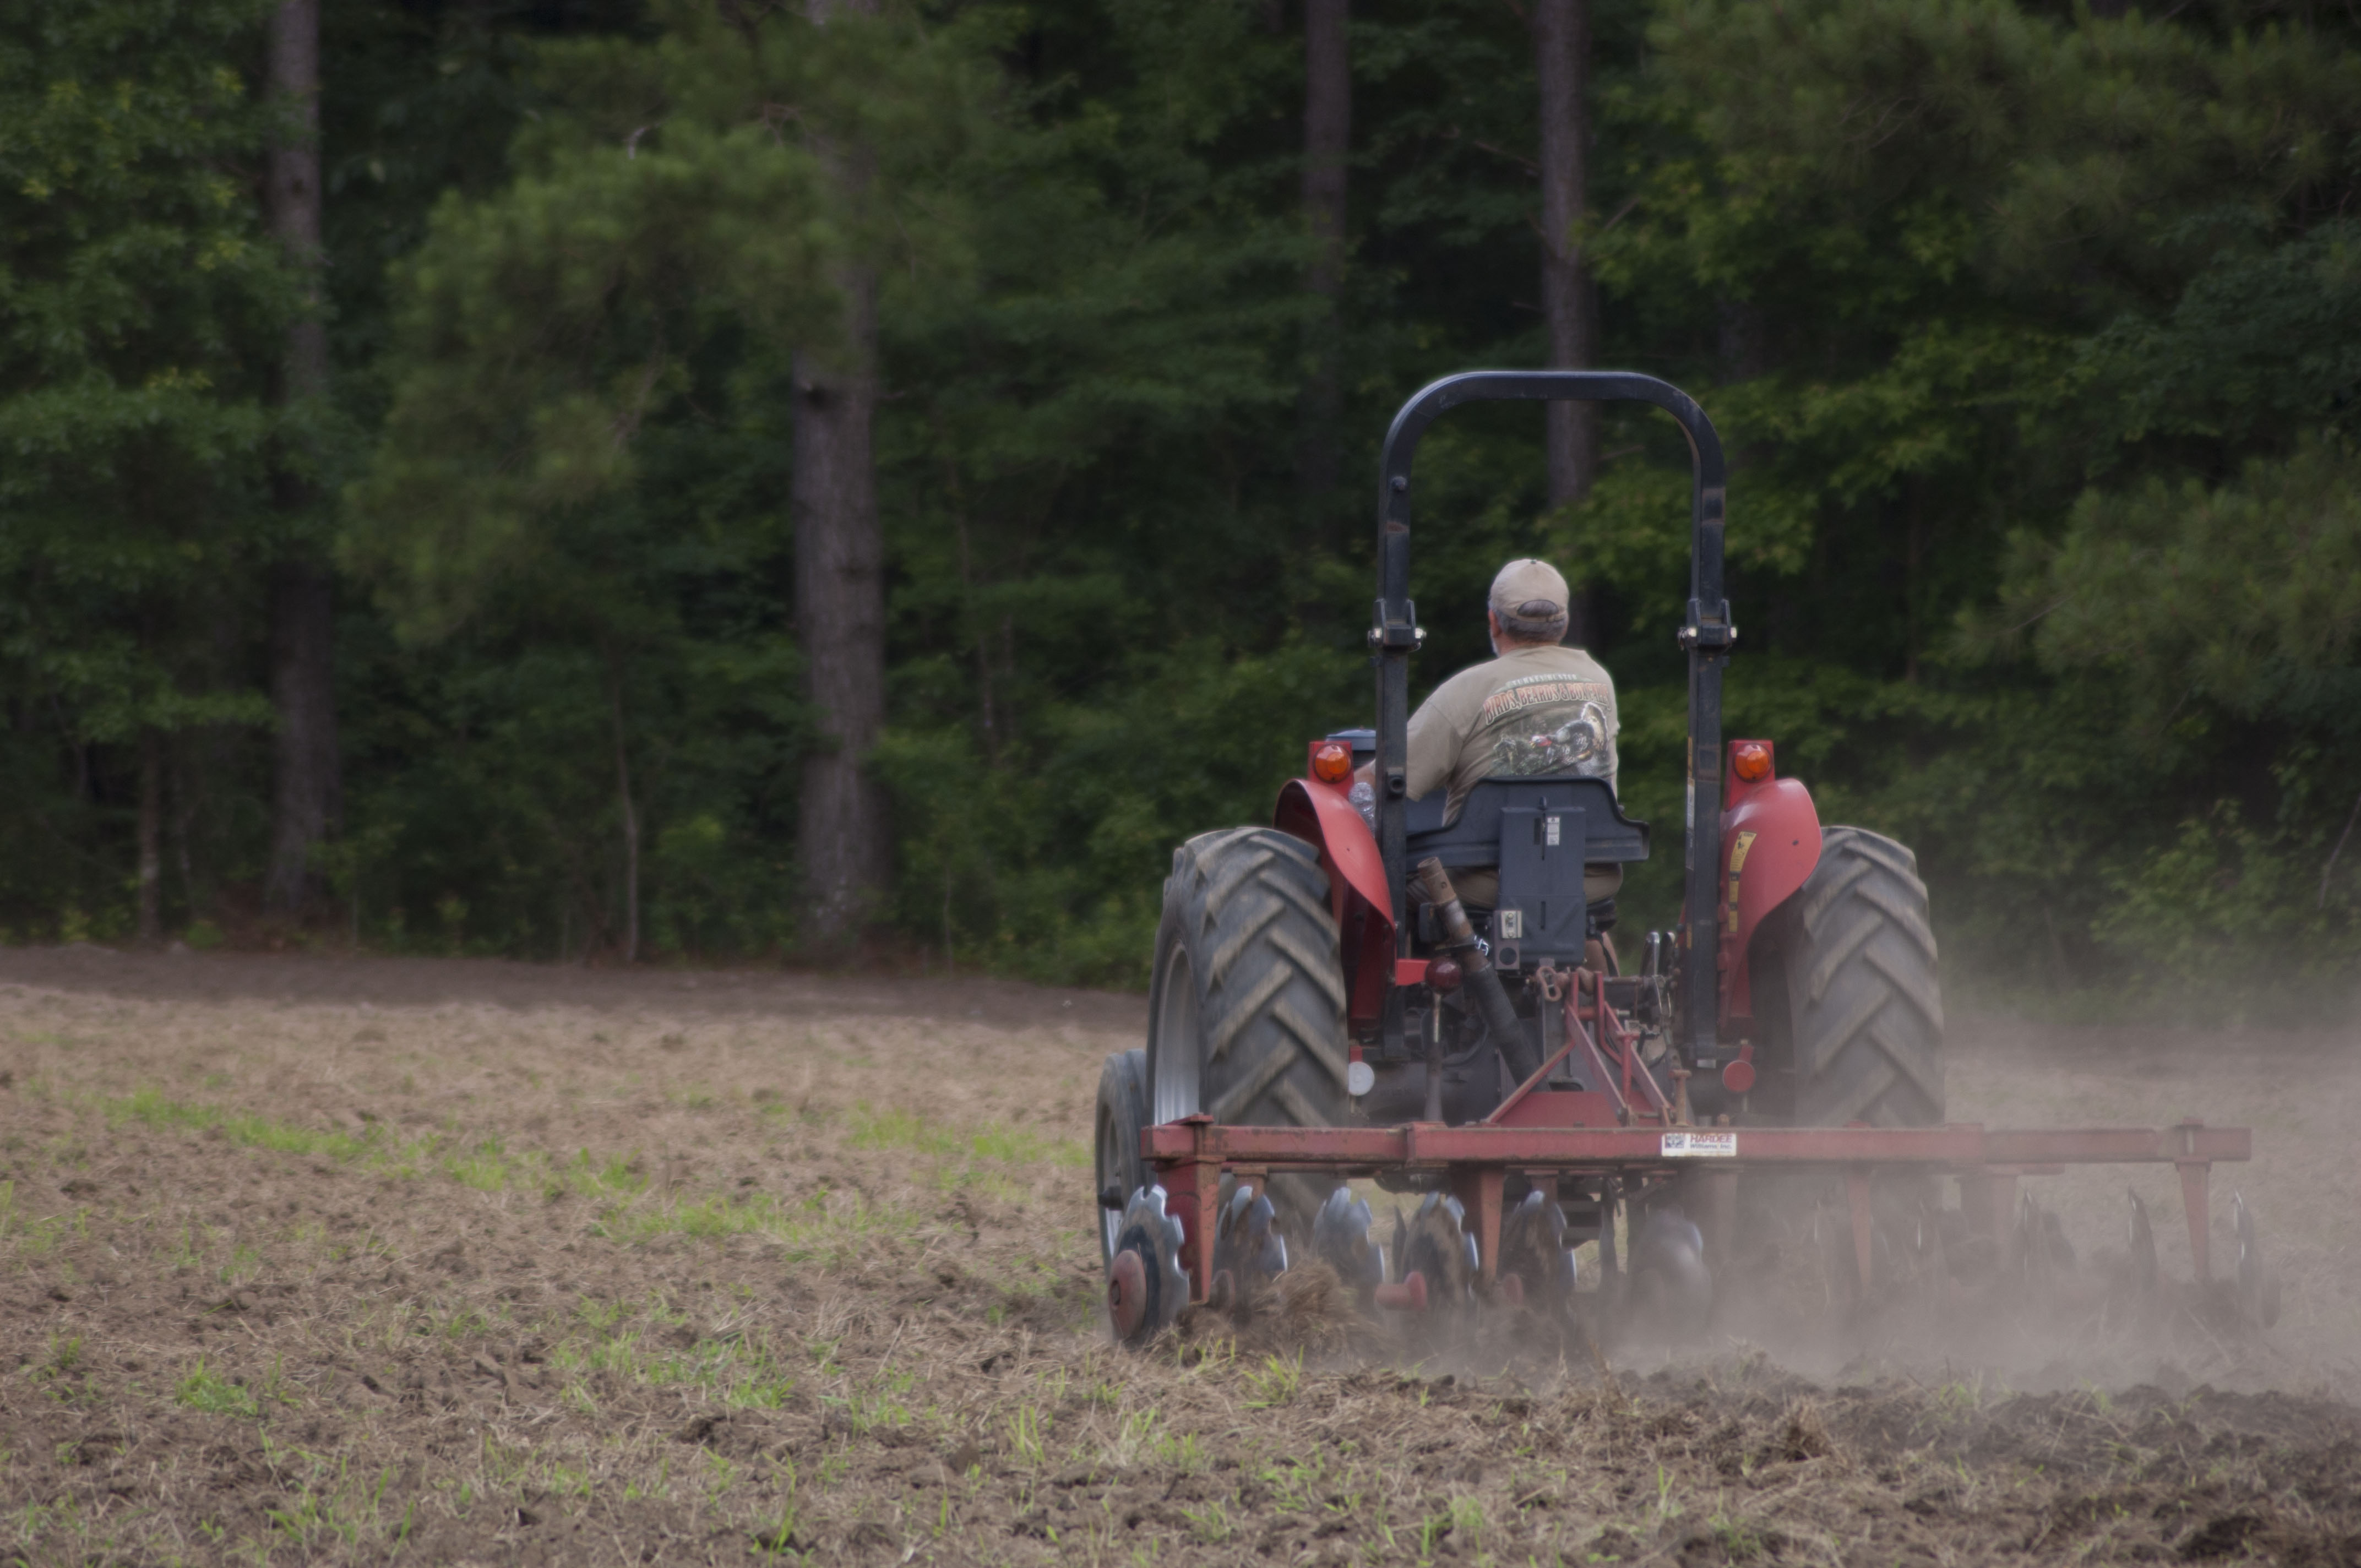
{"type": "Point", "coordinates": [1537, 709]}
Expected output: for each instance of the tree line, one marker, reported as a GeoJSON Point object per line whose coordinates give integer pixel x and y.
{"type": "Point", "coordinates": [609, 479]}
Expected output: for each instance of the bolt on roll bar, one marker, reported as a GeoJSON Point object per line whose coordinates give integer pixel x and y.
{"type": "Point", "coordinates": [1706, 633]}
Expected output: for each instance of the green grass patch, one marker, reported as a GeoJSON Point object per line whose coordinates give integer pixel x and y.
{"type": "Point", "coordinates": [205, 1389]}
{"type": "Point", "coordinates": [823, 1227]}
{"type": "Point", "coordinates": [743, 1369]}
{"type": "Point", "coordinates": [994, 1141]}
{"type": "Point", "coordinates": [153, 1108]}
{"type": "Point", "coordinates": [35, 1237]}
{"type": "Point", "coordinates": [618, 1177]}
{"type": "Point", "coordinates": [487, 1166]}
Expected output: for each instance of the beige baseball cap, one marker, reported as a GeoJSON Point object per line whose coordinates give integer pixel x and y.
{"type": "Point", "coordinates": [1530, 591]}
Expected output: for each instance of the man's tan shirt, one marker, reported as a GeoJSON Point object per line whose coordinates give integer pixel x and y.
{"type": "Point", "coordinates": [1529, 712]}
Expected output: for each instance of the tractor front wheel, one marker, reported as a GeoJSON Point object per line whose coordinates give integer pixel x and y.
{"type": "Point", "coordinates": [1246, 1010]}
{"type": "Point", "coordinates": [1847, 994]}
{"type": "Point", "coordinates": [1122, 1112]}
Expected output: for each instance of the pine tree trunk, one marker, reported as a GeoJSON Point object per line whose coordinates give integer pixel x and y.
{"type": "Point", "coordinates": [840, 581]}
{"type": "Point", "coordinates": [1561, 53]}
{"type": "Point", "coordinates": [1327, 147]}
{"type": "Point", "coordinates": [631, 815]}
{"type": "Point", "coordinates": [840, 611]}
{"type": "Point", "coordinates": [151, 838]}
{"type": "Point", "coordinates": [306, 782]}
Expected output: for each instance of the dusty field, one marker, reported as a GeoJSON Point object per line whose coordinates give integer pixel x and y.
{"type": "Point", "coordinates": [391, 1262]}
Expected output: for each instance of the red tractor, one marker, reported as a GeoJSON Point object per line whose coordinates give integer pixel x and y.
{"type": "Point", "coordinates": [1323, 1007]}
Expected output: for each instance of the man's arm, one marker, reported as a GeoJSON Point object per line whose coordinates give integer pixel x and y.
{"type": "Point", "coordinates": [1436, 730]}
{"type": "Point", "coordinates": [1437, 733]}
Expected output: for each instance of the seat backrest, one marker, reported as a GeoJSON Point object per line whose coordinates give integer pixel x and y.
{"type": "Point", "coordinates": [1609, 835]}
{"type": "Point", "coordinates": [1540, 833]}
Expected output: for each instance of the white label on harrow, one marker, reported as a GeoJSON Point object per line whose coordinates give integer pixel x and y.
{"type": "Point", "coordinates": [1700, 1146]}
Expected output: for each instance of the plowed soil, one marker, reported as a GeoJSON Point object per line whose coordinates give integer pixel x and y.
{"type": "Point", "coordinates": [371, 1261]}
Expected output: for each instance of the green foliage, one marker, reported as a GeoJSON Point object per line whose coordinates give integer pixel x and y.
{"type": "Point", "coordinates": [134, 279]}
{"type": "Point", "coordinates": [2031, 335]}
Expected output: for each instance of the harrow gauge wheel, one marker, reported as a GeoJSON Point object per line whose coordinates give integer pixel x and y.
{"type": "Point", "coordinates": [1146, 1286]}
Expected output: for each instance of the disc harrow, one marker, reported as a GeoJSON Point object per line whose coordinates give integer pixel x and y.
{"type": "Point", "coordinates": [1457, 1249]}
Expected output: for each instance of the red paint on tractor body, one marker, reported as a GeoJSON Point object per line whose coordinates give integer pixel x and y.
{"type": "Point", "coordinates": [1320, 815]}
{"type": "Point", "coordinates": [1561, 1107]}
{"type": "Point", "coordinates": [1770, 842]}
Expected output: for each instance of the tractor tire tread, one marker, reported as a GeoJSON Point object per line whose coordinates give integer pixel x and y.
{"type": "Point", "coordinates": [1247, 1009]}
{"type": "Point", "coordinates": [1833, 955]}
{"type": "Point", "coordinates": [1308, 1035]}
{"type": "Point", "coordinates": [1859, 981]}
{"type": "Point", "coordinates": [1910, 981]}
{"type": "Point", "coordinates": [1251, 907]}
{"type": "Point", "coordinates": [1818, 901]}
{"type": "Point", "coordinates": [1905, 912]}
{"type": "Point", "coordinates": [1223, 884]}
{"type": "Point", "coordinates": [1240, 936]}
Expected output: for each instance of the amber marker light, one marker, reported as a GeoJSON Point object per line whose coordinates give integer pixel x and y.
{"type": "Point", "coordinates": [1332, 763]}
{"type": "Point", "coordinates": [1751, 763]}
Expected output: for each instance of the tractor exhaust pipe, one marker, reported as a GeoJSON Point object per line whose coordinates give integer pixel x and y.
{"type": "Point", "coordinates": [1480, 978]}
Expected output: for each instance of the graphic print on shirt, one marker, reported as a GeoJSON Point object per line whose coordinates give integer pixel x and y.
{"type": "Point", "coordinates": [1549, 724]}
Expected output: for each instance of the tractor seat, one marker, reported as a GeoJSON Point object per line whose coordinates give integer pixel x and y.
{"type": "Point", "coordinates": [1540, 834]}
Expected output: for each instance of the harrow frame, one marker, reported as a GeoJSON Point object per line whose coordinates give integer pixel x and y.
{"type": "Point", "coordinates": [1629, 1128]}
{"type": "Point", "coordinates": [1190, 1157]}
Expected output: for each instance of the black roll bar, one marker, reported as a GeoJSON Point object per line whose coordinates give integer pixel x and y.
{"type": "Point", "coordinates": [1706, 633]}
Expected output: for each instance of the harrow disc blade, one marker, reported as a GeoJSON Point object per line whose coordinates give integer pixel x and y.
{"type": "Point", "coordinates": [2142, 1248]}
{"type": "Point", "coordinates": [1247, 1246]}
{"type": "Point", "coordinates": [1929, 1257]}
{"type": "Point", "coordinates": [2044, 1256]}
{"type": "Point", "coordinates": [1435, 1244]}
{"type": "Point", "coordinates": [1147, 1285]}
{"type": "Point", "coordinates": [1342, 1234]}
{"type": "Point", "coordinates": [1533, 1254]}
{"type": "Point", "coordinates": [2258, 1283]}
{"type": "Point", "coordinates": [1671, 1289]}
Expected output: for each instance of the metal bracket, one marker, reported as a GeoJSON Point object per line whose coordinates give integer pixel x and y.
{"type": "Point", "coordinates": [1710, 634]}
{"type": "Point", "coordinates": [1405, 633]}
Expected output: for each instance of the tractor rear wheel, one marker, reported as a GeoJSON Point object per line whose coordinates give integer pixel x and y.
{"type": "Point", "coordinates": [1846, 991]}
{"type": "Point", "coordinates": [1246, 1010]}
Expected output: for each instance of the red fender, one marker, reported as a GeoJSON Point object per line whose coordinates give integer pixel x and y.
{"type": "Point", "coordinates": [1319, 814]}
{"type": "Point", "coordinates": [1770, 842]}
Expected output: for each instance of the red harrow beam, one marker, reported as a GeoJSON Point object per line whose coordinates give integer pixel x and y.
{"type": "Point", "coordinates": [1191, 1153]}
